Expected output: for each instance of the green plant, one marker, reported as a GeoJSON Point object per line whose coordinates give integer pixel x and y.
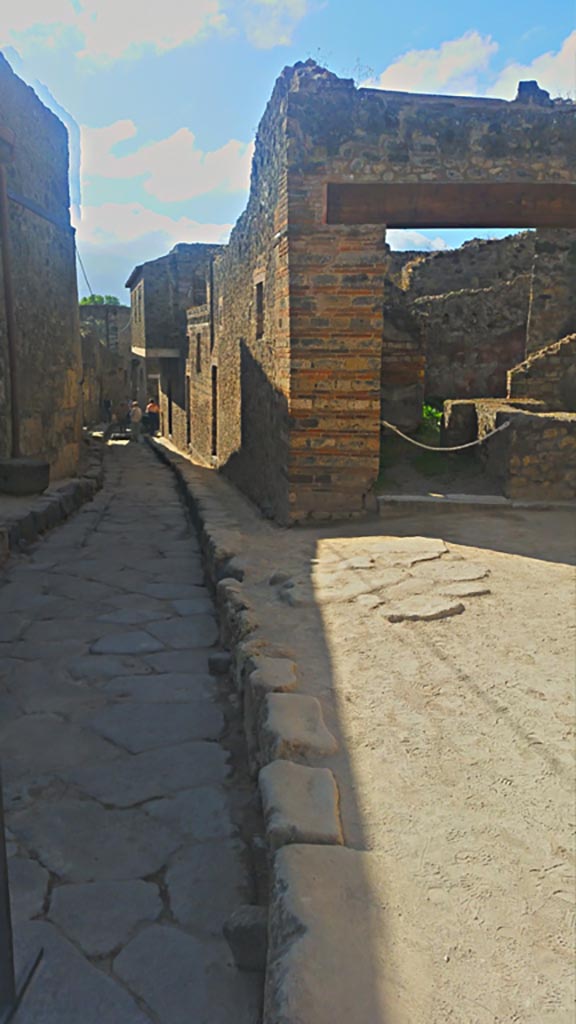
{"type": "Point", "coordinates": [100, 300]}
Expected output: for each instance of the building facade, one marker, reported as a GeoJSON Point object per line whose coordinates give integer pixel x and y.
{"type": "Point", "coordinates": [161, 291]}
{"type": "Point", "coordinates": [297, 348]}
{"type": "Point", "coordinates": [42, 261]}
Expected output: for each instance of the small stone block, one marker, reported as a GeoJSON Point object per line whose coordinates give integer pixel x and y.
{"type": "Point", "coordinates": [219, 663]}
{"type": "Point", "coordinates": [293, 726]}
{"type": "Point", "coordinates": [246, 932]}
{"type": "Point", "coordinates": [300, 804]}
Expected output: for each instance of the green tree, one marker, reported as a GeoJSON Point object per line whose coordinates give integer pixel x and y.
{"type": "Point", "coordinates": [100, 300]}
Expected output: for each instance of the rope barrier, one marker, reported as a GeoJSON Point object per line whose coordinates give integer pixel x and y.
{"type": "Point", "coordinates": [454, 448]}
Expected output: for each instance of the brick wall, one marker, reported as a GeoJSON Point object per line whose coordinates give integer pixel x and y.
{"type": "Point", "coordinates": [548, 375]}
{"type": "Point", "coordinates": [44, 278]}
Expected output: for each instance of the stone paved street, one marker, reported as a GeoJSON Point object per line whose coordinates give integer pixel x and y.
{"type": "Point", "coordinates": [123, 808]}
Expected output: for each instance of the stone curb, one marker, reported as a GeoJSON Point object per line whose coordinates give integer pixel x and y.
{"type": "Point", "coordinates": [301, 803]}
{"type": "Point", "coordinates": [53, 507]}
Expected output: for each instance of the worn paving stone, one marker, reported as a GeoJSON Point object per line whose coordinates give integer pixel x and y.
{"type": "Point", "coordinates": [194, 660]}
{"type": "Point", "coordinates": [173, 591]}
{"type": "Point", "coordinates": [98, 666]}
{"type": "Point", "coordinates": [194, 606]}
{"type": "Point", "coordinates": [66, 988]}
{"type": "Point", "coordinates": [80, 841]}
{"type": "Point", "coordinates": [205, 883]}
{"type": "Point", "coordinates": [28, 887]}
{"type": "Point", "coordinates": [37, 743]}
{"type": "Point", "coordinates": [133, 616]}
{"type": "Point", "coordinates": [39, 691]}
{"type": "Point", "coordinates": [179, 687]}
{"type": "Point", "coordinates": [199, 814]}
{"type": "Point", "coordinates": [425, 608]}
{"type": "Point", "coordinates": [102, 916]}
{"type": "Point", "coordinates": [188, 981]}
{"type": "Point", "coordinates": [196, 631]}
{"type": "Point", "coordinates": [12, 627]}
{"type": "Point", "coordinates": [134, 642]}
{"type": "Point", "coordinates": [155, 773]}
{"type": "Point", "coordinates": [139, 727]}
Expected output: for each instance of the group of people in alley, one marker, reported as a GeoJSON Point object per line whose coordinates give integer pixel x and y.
{"type": "Point", "coordinates": [128, 416]}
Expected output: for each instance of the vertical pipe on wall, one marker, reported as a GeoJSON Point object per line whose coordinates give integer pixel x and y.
{"type": "Point", "coordinates": [11, 330]}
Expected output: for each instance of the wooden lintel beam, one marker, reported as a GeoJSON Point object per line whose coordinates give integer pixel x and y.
{"type": "Point", "coordinates": [453, 205]}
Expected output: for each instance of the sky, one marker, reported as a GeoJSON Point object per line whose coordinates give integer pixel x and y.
{"type": "Point", "coordinates": [162, 100]}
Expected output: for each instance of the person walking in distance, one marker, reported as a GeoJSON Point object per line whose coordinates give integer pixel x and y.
{"type": "Point", "coordinates": [135, 422]}
{"type": "Point", "coordinates": [153, 413]}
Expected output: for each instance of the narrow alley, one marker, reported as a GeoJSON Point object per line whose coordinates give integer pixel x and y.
{"type": "Point", "coordinates": [123, 789]}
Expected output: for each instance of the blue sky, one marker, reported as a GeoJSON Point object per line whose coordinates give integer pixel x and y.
{"type": "Point", "coordinates": [163, 101]}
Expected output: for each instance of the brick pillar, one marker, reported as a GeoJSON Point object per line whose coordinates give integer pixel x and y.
{"type": "Point", "coordinates": [336, 297]}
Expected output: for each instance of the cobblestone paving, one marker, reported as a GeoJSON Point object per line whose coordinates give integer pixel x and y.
{"type": "Point", "coordinates": [124, 852]}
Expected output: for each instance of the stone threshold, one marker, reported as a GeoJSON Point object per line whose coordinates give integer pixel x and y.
{"type": "Point", "coordinates": [319, 889]}
{"type": "Point", "coordinates": [23, 520]}
{"type": "Point", "coordinates": [393, 504]}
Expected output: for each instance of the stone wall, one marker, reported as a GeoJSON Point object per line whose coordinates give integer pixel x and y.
{"type": "Point", "coordinates": [105, 376]}
{"type": "Point", "coordinates": [472, 338]}
{"type": "Point", "coordinates": [535, 458]}
{"type": "Point", "coordinates": [553, 296]}
{"type": "Point", "coordinates": [44, 277]}
{"type": "Point", "coordinates": [480, 263]}
{"type": "Point", "coordinates": [162, 290]}
{"type": "Point", "coordinates": [251, 354]}
{"type": "Point", "coordinates": [548, 375]}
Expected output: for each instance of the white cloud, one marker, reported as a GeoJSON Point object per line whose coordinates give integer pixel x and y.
{"type": "Point", "coordinates": [174, 169]}
{"type": "Point", "coordinates": [555, 72]}
{"type": "Point", "coordinates": [403, 240]}
{"type": "Point", "coordinates": [103, 31]}
{"type": "Point", "coordinates": [271, 23]}
{"type": "Point", "coordinates": [464, 66]}
{"type": "Point", "coordinates": [454, 67]}
{"type": "Point", "coordinates": [113, 223]}
{"type": "Point", "coordinates": [115, 237]}
{"type": "Point", "coordinates": [107, 30]}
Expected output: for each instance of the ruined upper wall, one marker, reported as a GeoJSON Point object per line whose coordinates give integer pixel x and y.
{"type": "Point", "coordinates": [44, 280]}
{"type": "Point", "coordinates": [359, 135]}
{"type": "Point", "coordinates": [476, 264]}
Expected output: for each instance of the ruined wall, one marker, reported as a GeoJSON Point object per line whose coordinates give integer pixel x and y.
{"type": "Point", "coordinates": [338, 133]}
{"type": "Point", "coordinates": [553, 297]}
{"type": "Point", "coordinates": [548, 375]}
{"type": "Point", "coordinates": [44, 276]}
{"type": "Point", "coordinates": [472, 338]}
{"type": "Point", "coordinates": [480, 263]}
